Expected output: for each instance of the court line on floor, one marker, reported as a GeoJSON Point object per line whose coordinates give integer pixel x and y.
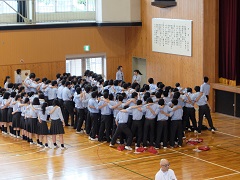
{"type": "Point", "coordinates": [52, 155]}
{"type": "Point", "coordinates": [206, 161]}
{"type": "Point", "coordinates": [228, 134]}
{"type": "Point", "coordinates": [227, 175]}
{"type": "Point", "coordinates": [104, 164]}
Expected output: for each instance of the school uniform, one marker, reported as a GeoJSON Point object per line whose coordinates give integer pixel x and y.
{"type": "Point", "coordinates": [10, 110]}
{"type": "Point", "coordinates": [137, 123]}
{"type": "Point", "coordinates": [1, 105]}
{"type": "Point", "coordinates": [149, 125]}
{"type": "Point", "coordinates": [190, 112]}
{"type": "Point", "coordinates": [87, 118]}
{"type": "Point", "coordinates": [176, 126]}
{"type": "Point", "coordinates": [22, 118]}
{"type": "Point", "coordinates": [59, 96]}
{"type": "Point", "coordinates": [205, 88]}
{"type": "Point", "coordinates": [68, 105]}
{"type": "Point", "coordinates": [33, 118]}
{"type": "Point", "coordinates": [162, 126]}
{"type": "Point", "coordinates": [203, 110]}
{"type": "Point", "coordinates": [119, 75]}
{"type": "Point", "coordinates": [136, 79]}
{"type": "Point", "coordinates": [42, 128]}
{"type": "Point", "coordinates": [106, 119]}
{"type": "Point", "coordinates": [57, 121]}
{"type": "Point", "coordinates": [5, 110]}
{"type": "Point", "coordinates": [121, 119]}
{"type": "Point", "coordinates": [52, 94]}
{"type": "Point", "coordinates": [152, 87]}
{"type": "Point", "coordinates": [79, 111]}
{"type": "Point", "coordinates": [94, 116]}
{"type": "Point", "coordinates": [16, 116]}
{"type": "Point", "coordinates": [115, 112]}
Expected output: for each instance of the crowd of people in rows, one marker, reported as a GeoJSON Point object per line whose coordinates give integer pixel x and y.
{"type": "Point", "coordinates": [111, 110]}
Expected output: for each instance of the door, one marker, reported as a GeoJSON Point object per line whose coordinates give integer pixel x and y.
{"type": "Point", "coordinates": [140, 64]}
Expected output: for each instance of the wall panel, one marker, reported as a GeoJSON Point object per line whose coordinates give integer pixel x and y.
{"type": "Point", "coordinates": [43, 51]}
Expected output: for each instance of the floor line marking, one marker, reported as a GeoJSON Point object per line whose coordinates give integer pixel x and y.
{"type": "Point", "coordinates": [227, 175]}
{"type": "Point", "coordinates": [206, 161]}
{"type": "Point", "coordinates": [105, 164]}
{"type": "Point", "coordinates": [228, 134]}
{"type": "Point", "coordinates": [52, 155]}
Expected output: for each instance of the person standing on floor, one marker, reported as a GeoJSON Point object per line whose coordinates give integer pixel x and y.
{"type": "Point", "coordinates": [18, 79]}
{"type": "Point", "coordinates": [165, 172]}
{"type": "Point", "coordinates": [119, 74]}
{"type": "Point", "coordinates": [205, 87]}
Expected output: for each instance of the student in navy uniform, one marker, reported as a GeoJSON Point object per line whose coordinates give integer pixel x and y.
{"type": "Point", "coordinates": [57, 124]}
{"type": "Point", "coordinates": [122, 127]}
{"type": "Point", "coordinates": [94, 115]}
{"type": "Point", "coordinates": [201, 101]}
{"type": "Point", "coordinates": [176, 124]}
{"type": "Point", "coordinates": [42, 125]}
{"type": "Point", "coordinates": [149, 125]}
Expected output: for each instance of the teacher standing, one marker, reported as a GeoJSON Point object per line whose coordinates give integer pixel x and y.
{"type": "Point", "coordinates": [119, 74]}
{"type": "Point", "coordinates": [136, 76]}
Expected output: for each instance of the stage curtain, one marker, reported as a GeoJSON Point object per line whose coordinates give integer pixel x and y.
{"type": "Point", "coordinates": [228, 41]}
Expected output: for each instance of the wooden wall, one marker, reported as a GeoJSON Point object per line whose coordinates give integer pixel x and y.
{"type": "Point", "coordinates": [188, 71]}
{"type": "Point", "coordinates": [44, 51]}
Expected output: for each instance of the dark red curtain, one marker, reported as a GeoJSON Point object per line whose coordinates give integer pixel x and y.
{"type": "Point", "coordinates": [229, 39]}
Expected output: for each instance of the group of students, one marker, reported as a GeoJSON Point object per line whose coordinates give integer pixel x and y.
{"type": "Point", "coordinates": [111, 109]}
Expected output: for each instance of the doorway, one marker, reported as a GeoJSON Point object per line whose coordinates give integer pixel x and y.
{"type": "Point", "coordinates": [140, 64]}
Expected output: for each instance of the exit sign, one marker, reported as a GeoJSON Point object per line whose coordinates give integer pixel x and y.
{"type": "Point", "coordinates": [86, 48]}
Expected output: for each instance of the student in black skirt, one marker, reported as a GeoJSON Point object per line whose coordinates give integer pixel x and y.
{"type": "Point", "coordinates": [42, 125]}
{"type": "Point", "coordinates": [16, 115]}
{"type": "Point", "coordinates": [5, 103]}
{"type": "Point", "coordinates": [9, 114]}
{"type": "Point", "coordinates": [57, 123]}
{"type": "Point", "coordinates": [33, 119]}
{"type": "Point", "coordinates": [23, 120]}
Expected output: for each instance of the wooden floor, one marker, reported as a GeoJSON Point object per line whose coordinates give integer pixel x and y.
{"type": "Point", "coordinates": [85, 159]}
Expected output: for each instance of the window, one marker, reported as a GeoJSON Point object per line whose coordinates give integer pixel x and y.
{"type": "Point", "coordinates": [5, 9]}
{"type": "Point", "coordinates": [78, 66]}
{"type": "Point", "coordinates": [65, 5]}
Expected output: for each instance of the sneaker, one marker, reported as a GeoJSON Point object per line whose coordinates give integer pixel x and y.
{"type": "Point", "coordinates": [46, 147]}
{"type": "Point", "coordinates": [164, 147]}
{"type": "Point", "coordinates": [189, 129]}
{"type": "Point", "coordinates": [89, 137]}
{"type": "Point", "coordinates": [128, 148]}
{"type": "Point", "coordinates": [213, 130]}
{"type": "Point", "coordinates": [156, 148]}
{"type": "Point", "coordinates": [94, 139]}
{"type": "Point", "coordinates": [78, 132]}
{"type": "Point", "coordinates": [179, 146]}
{"type": "Point", "coordinates": [111, 145]}
{"type": "Point", "coordinates": [63, 148]}
{"type": "Point", "coordinates": [195, 131]}
{"type": "Point", "coordinates": [184, 137]}
{"type": "Point", "coordinates": [118, 141]}
{"type": "Point", "coordinates": [31, 143]}
{"type": "Point", "coordinates": [55, 147]}
{"type": "Point", "coordinates": [41, 145]}
{"type": "Point", "coordinates": [18, 137]}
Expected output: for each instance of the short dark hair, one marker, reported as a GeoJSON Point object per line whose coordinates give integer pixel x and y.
{"type": "Point", "coordinates": [18, 71]}
{"type": "Point", "coordinates": [197, 88]}
{"type": "Point", "coordinates": [150, 80]}
{"type": "Point", "coordinates": [205, 79]}
{"type": "Point", "coordinates": [94, 94]}
{"type": "Point", "coordinates": [174, 101]}
{"type": "Point", "coordinates": [161, 102]}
